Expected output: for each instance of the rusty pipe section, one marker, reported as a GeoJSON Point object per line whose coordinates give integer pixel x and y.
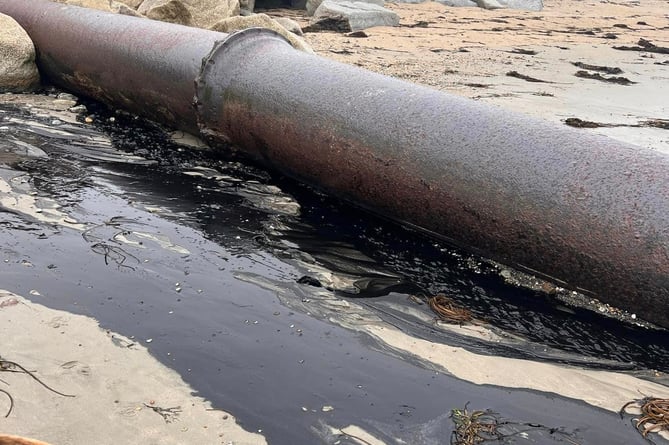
{"type": "Point", "coordinates": [586, 210]}
{"type": "Point", "coordinates": [143, 66]}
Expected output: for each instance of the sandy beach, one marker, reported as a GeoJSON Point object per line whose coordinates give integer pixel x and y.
{"type": "Point", "coordinates": [128, 390]}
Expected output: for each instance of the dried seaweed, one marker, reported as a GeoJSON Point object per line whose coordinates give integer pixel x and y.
{"type": "Point", "coordinates": [654, 415]}
{"type": "Point", "coordinates": [517, 75]}
{"type": "Point", "coordinates": [475, 427]}
{"type": "Point", "coordinates": [10, 366]}
{"type": "Point", "coordinates": [602, 68]}
{"type": "Point", "coordinates": [447, 310]}
{"type": "Point", "coordinates": [168, 414]}
{"type": "Point", "coordinates": [646, 46]}
{"type": "Point", "coordinates": [596, 76]}
{"type": "Point", "coordinates": [11, 402]}
{"type": "Point", "coordinates": [527, 52]}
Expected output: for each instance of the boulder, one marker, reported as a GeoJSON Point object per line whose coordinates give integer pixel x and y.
{"type": "Point", "coordinates": [206, 13]}
{"type": "Point", "coordinates": [530, 5]}
{"type": "Point", "coordinates": [490, 4]}
{"type": "Point", "coordinates": [290, 24]}
{"type": "Point", "coordinates": [122, 8]}
{"type": "Point", "coordinates": [346, 16]}
{"type": "Point", "coordinates": [246, 6]}
{"type": "Point", "coordinates": [232, 24]}
{"type": "Point", "coordinates": [18, 71]}
{"type": "Point", "coordinates": [457, 3]}
{"type": "Point", "coordinates": [312, 5]}
{"type": "Point", "coordinates": [172, 11]}
{"type": "Point", "coordinates": [134, 4]}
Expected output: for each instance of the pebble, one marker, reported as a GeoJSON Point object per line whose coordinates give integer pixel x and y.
{"type": "Point", "coordinates": [67, 96]}
{"type": "Point", "coordinates": [78, 109]}
{"type": "Point", "coordinates": [64, 103]}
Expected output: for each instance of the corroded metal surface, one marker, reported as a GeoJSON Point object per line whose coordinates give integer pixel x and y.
{"type": "Point", "coordinates": [117, 59]}
{"type": "Point", "coordinates": [591, 212]}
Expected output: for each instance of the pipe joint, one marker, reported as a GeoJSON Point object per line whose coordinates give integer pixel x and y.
{"type": "Point", "coordinates": [215, 77]}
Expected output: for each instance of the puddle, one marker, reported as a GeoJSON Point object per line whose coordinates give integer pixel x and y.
{"type": "Point", "coordinates": [271, 299]}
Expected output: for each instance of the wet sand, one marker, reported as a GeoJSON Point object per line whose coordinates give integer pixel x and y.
{"type": "Point", "coordinates": [118, 389]}
{"type": "Point", "coordinates": [224, 314]}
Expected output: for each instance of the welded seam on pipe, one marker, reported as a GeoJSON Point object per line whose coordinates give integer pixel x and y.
{"type": "Point", "coordinates": [208, 107]}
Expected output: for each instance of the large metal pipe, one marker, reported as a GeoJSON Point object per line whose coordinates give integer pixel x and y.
{"type": "Point", "coordinates": [587, 210]}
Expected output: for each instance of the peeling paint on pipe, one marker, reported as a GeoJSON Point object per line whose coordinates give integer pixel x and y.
{"type": "Point", "coordinates": [586, 210]}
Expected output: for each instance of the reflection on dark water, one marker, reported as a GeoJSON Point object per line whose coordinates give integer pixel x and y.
{"type": "Point", "coordinates": [247, 209]}
{"type": "Point", "coordinates": [421, 265]}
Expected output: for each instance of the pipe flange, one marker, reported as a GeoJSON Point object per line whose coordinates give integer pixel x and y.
{"type": "Point", "coordinates": [212, 80]}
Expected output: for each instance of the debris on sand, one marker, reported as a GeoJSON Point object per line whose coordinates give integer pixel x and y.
{"type": "Point", "coordinates": [527, 52]}
{"type": "Point", "coordinates": [657, 123]}
{"type": "Point", "coordinates": [478, 426]}
{"type": "Point", "coordinates": [580, 123]}
{"type": "Point", "coordinates": [474, 427]}
{"type": "Point", "coordinates": [517, 75]}
{"type": "Point", "coordinates": [654, 416]}
{"type": "Point", "coordinates": [597, 76]}
{"type": "Point", "coordinates": [603, 69]}
{"type": "Point", "coordinates": [168, 414]}
{"type": "Point", "coordinates": [644, 45]}
{"type": "Point", "coordinates": [10, 366]}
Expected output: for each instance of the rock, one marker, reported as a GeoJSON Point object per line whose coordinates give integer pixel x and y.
{"type": "Point", "coordinates": [134, 4]}
{"type": "Point", "coordinates": [18, 71]}
{"type": "Point", "coordinates": [123, 9]}
{"type": "Point", "coordinates": [298, 4]}
{"type": "Point", "coordinates": [172, 11]}
{"type": "Point", "coordinates": [246, 6]}
{"type": "Point", "coordinates": [490, 4]}
{"type": "Point", "coordinates": [458, 3]}
{"type": "Point", "coordinates": [206, 13]}
{"type": "Point", "coordinates": [260, 21]}
{"type": "Point", "coordinates": [346, 16]}
{"type": "Point", "coordinates": [290, 24]}
{"type": "Point", "coordinates": [312, 5]}
{"type": "Point", "coordinates": [102, 5]}
{"type": "Point", "coordinates": [530, 5]}
{"type": "Point", "coordinates": [198, 13]}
